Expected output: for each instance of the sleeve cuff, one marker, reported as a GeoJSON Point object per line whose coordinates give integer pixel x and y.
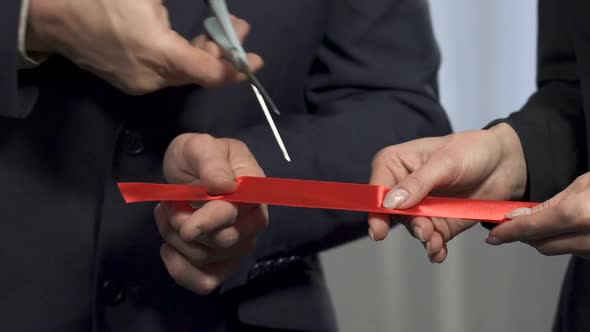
{"type": "Point", "coordinates": [25, 61]}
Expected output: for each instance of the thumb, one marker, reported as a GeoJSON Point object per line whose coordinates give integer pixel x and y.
{"type": "Point", "coordinates": [553, 201]}
{"type": "Point", "coordinates": [200, 157]}
{"type": "Point", "coordinates": [436, 172]}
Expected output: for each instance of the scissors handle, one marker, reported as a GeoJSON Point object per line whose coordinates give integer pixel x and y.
{"type": "Point", "coordinates": [230, 52]}
{"type": "Point", "coordinates": [221, 29]}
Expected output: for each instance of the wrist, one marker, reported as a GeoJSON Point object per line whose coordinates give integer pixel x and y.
{"type": "Point", "coordinates": [43, 18]}
{"type": "Point", "coordinates": [513, 161]}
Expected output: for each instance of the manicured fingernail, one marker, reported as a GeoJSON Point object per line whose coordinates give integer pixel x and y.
{"type": "Point", "coordinates": [519, 212]}
{"type": "Point", "coordinates": [395, 198]}
{"type": "Point", "coordinates": [428, 248]}
{"type": "Point", "coordinates": [418, 233]}
{"type": "Point", "coordinates": [492, 240]}
{"type": "Point", "coordinates": [371, 235]}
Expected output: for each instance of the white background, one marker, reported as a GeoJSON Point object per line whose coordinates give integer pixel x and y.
{"type": "Point", "coordinates": [488, 71]}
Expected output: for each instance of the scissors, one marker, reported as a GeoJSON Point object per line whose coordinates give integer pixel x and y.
{"type": "Point", "coordinates": [221, 30]}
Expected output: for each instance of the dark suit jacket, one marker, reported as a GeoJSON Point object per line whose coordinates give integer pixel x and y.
{"type": "Point", "coordinates": [553, 128]}
{"type": "Point", "coordinates": [350, 77]}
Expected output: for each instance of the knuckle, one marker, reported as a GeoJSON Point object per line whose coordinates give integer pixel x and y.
{"type": "Point", "coordinates": [201, 139]}
{"type": "Point", "coordinates": [581, 183]}
{"type": "Point", "coordinates": [199, 257]}
{"type": "Point", "coordinates": [412, 182]}
{"type": "Point", "coordinates": [213, 77]}
{"type": "Point", "coordinates": [141, 85]}
{"type": "Point", "coordinates": [381, 158]}
{"type": "Point", "coordinates": [177, 267]}
{"type": "Point", "coordinates": [578, 215]}
{"type": "Point", "coordinates": [189, 232]}
{"type": "Point", "coordinates": [180, 140]}
{"type": "Point", "coordinates": [177, 221]}
{"type": "Point", "coordinates": [206, 285]}
{"type": "Point", "coordinates": [198, 142]}
{"type": "Point", "coordinates": [450, 163]}
{"type": "Point", "coordinates": [243, 25]}
{"type": "Point", "coordinates": [241, 146]}
{"type": "Point", "coordinates": [529, 228]}
{"type": "Point", "coordinates": [227, 238]}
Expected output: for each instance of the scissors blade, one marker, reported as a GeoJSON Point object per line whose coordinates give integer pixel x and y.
{"type": "Point", "coordinates": [273, 127]}
{"type": "Point", "coordinates": [254, 81]}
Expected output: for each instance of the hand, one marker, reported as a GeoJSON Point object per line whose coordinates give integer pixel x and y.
{"type": "Point", "coordinates": [204, 247]}
{"type": "Point", "coordinates": [130, 44]}
{"type": "Point", "coordinates": [558, 226]}
{"type": "Point", "coordinates": [485, 164]}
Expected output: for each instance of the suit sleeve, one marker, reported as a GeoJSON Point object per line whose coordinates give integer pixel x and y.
{"type": "Point", "coordinates": [373, 84]}
{"type": "Point", "coordinates": [17, 93]}
{"type": "Point", "coordinates": [551, 126]}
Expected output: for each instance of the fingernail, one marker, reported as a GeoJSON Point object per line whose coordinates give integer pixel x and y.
{"type": "Point", "coordinates": [430, 259]}
{"type": "Point", "coordinates": [371, 235]}
{"type": "Point", "coordinates": [395, 198]}
{"type": "Point", "coordinates": [494, 241]}
{"type": "Point", "coordinates": [428, 248]}
{"type": "Point", "coordinates": [418, 233]}
{"type": "Point", "coordinates": [519, 212]}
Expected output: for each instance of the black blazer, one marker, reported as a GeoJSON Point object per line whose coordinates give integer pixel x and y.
{"type": "Point", "coordinates": [553, 128]}
{"type": "Point", "coordinates": [350, 77]}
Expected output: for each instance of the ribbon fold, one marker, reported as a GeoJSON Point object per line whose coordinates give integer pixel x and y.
{"type": "Point", "coordinates": [323, 195]}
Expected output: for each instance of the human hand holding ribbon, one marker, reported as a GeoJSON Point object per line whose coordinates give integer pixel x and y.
{"type": "Point", "coordinates": [323, 195]}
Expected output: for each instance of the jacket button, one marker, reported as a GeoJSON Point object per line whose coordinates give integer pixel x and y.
{"type": "Point", "coordinates": [132, 142]}
{"type": "Point", "coordinates": [113, 293]}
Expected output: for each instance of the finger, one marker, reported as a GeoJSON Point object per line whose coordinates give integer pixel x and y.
{"type": "Point", "coordinates": [381, 175]}
{"type": "Point", "coordinates": [386, 169]}
{"type": "Point", "coordinates": [201, 281]}
{"type": "Point", "coordinates": [545, 223]}
{"type": "Point", "coordinates": [213, 216]}
{"type": "Point", "coordinates": [242, 28]}
{"type": "Point", "coordinates": [449, 227]}
{"type": "Point", "coordinates": [255, 62]}
{"type": "Point", "coordinates": [572, 243]}
{"type": "Point", "coordinates": [242, 161]}
{"type": "Point", "coordinates": [193, 65]}
{"type": "Point", "coordinates": [379, 225]}
{"type": "Point", "coordinates": [201, 156]}
{"type": "Point", "coordinates": [163, 222]}
{"type": "Point", "coordinates": [200, 255]}
{"type": "Point", "coordinates": [442, 226]}
{"type": "Point", "coordinates": [406, 221]}
{"type": "Point", "coordinates": [436, 243]}
{"type": "Point", "coordinates": [213, 49]}
{"type": "Point", "coordinates": [438, 171]}
{"type": "Point", "coordinates": [200, 41]}
{"type": "Point", "coordinates": [251, 220]}
{"type": "Point", "coordinates": [440, 256]}
{"type": "Point", "coordinates": [422, 228]}
{"type": "Point", "coordinates": [203, 41]}
{"type": "Point", "coordinates": [174, 214]}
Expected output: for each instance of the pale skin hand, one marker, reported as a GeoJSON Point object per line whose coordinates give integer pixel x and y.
{"type": "Point", "coordinates": [130, 44]}
{"type": "Point", "coordinates": [485, 164]}
{"type": "Point", "coordinates": [558, 226]}
{"type": "Point", "coordinates": [204, 247]}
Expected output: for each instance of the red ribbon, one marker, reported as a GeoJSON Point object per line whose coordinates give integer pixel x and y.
{"type": "Point", "coordinates": [323, 195]}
